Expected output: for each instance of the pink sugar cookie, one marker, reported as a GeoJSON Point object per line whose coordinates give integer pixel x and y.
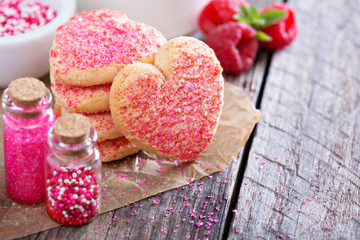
{"type": "Point", "coordinates": [104, 126]}
{"type": "Point", "coordinates": [102, 122]}
{"type": "Point", "coordinates": [76, 99]}
{"type": "Point", "coordinates": [91, 47]}
{"type": "Point", "coordinates": [171, 109]}
{"type": "Point", "coordinates": [115, 149]}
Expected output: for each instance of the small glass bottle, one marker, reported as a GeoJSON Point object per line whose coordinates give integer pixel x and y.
{"type": "Point", "coordinates": [27, 117]}
{"type": "Point", "coordinates": [73, 171]}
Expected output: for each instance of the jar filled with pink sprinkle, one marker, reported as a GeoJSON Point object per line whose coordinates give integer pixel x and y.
{"type": "Point", "coordinates": [27, 118]}
{"type": "Point", "coordinates": [73, 171]}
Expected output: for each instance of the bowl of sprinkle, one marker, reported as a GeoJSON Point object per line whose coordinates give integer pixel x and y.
{"type": "Point", "coordinates": [27, 29]}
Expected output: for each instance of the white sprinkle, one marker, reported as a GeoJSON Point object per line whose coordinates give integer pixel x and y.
{"type": "Point", "coordinates": [54, 173]}
{"type": "Point", "coordinates": [75, 196]}
{"type": "Point", "coordinates": [74, 175]}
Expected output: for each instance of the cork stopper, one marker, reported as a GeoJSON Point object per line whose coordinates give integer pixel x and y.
{"type": "Point", "coordinates": [26, 92]}
{"type": "Point", "coordinates": [72, 128]}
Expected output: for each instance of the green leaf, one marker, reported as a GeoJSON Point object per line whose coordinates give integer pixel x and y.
{"type": "Point", "coordinates": [254, 12]}
{"type": "Point", "coordinates": [272, 16]}
{"type": "Point", "coordinates": [263, 37]}
{"type": "Point", "coordinates": [258, 23]}
{"type": "Point", "coordinates": [244, 11]}
{"type": "Point", "coordinates": [243, 19]}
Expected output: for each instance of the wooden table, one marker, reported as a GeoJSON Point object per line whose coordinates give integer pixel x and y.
{"type": "Point", "coordinates": [299, 174]}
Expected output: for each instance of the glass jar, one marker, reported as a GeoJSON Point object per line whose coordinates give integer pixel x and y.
{"type": "Point", "coordinates": [73, 176]}
{"type": "Point", "coordinates": [27, 119]}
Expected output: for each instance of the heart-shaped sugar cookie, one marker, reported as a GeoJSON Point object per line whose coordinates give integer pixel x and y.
{"type": "Point", "coordinates": [171, 108]}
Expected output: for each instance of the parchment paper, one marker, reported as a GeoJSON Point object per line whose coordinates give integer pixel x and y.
{"type": "Point", "coordinates": [143, 175]}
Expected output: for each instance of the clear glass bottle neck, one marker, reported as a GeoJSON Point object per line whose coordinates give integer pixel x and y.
{"type": "Point", "coordinates": [73, 153]}
{"type": "Point", "coordinates": [12, 109]}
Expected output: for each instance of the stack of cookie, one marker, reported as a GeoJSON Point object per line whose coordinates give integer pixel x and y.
{"type": "Point", "coordinates": [87, 53]}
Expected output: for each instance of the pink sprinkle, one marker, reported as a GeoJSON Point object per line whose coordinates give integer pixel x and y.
{"type": "Point", "coordinates": [260, 235]}
{"type": "Point", "coordinates": [310, 226]}
{"type": "Point", "coordinates": [342, 181]}
{"type": "Point", "coordinates": [127, 235]}
{"type": "Point", "coordinates": [331, 216]}
{"type": "Point", "coordinates": [281, 235]}
{"type": "Point", "coordinates": [318, 220]}
{"type": "Point", "coordinates": [160, 169]}
{"type": "Point", "coordinates": [237, 230]}
{"type": "Point", "coordinates": [188, 236]}
{"type": "Point", "coordinates": [303, 203]}
{"type": "Point", "coordinates": [199, 223]}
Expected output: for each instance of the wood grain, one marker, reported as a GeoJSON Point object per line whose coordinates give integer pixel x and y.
{"type": "Point", "coordinates": [303, 175]}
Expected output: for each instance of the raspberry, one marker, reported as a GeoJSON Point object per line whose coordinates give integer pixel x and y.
{"type": "Point", "coordinates": [235, 46]}
{"type": "Point", "coordinates": [282, 32]}
{"type": "Point", "coordinates": [217, 12]}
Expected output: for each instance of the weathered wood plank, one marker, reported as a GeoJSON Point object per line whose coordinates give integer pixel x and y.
{"type": "Point", "coordinates": [303, 175]}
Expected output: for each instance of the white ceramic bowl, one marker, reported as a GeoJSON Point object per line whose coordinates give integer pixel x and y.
{"type": "Point", "coordinates": [171, 17]}
{"type": "Point", "coordinates": [27, 55]}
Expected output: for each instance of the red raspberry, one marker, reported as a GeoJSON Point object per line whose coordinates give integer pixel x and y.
{"type": "Point", "coordinates": [217, 12]}
{"type": "Point", "coordinates": [235, 46]}
{"type": "Point", "coordinates": [282, 32]}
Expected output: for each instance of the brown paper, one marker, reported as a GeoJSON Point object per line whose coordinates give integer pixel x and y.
{"type": "Point", "coordinates": [143, 175]}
